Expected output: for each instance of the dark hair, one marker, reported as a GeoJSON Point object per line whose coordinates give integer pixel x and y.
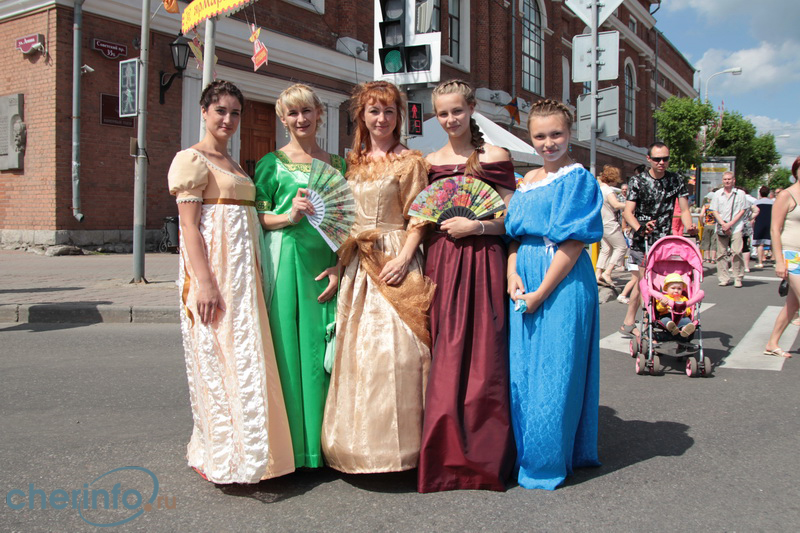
{"type": "Point", "coordinates": [473, 166]}
{"type": "Point", "coordinates": [796, 166]}
{"type": "Point", "coordinates": [763, 192]}
{"type": "Point", "coordinates": [657, 144]}
{"type": "Point", "coordinates": [639, 169]}
{"type": "Point", "coordinates": [381, 92]}
{"type": "Point", "coordinates": [218, 88]}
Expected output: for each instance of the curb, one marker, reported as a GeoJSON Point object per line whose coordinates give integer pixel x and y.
{"type": "Point", "coordinates": [87, 314]}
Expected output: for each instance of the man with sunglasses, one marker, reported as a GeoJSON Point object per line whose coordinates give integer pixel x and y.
{"type": "Point", "coordinates": [648, 211]}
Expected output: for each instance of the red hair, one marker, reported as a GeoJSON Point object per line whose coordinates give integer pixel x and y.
{"type": "Point", "coordinates": [364, 94]}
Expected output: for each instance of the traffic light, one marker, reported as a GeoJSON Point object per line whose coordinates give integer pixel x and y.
{"type": "Point", "coordinates": [395, 55]}
{"type": "Point", "coordinates": [414, 118]}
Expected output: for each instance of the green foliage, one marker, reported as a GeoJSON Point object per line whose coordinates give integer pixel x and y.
{"type": "Point", "coordinates": [679, 120]}
{"type": "Point", "coordinates": [779, 178]}
{"type": "Point", "coordinates": [755, 154]}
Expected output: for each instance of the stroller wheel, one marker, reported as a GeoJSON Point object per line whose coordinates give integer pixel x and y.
{"type": "Point", "coordinates": [691, 366]}
{"type": "Point", "coordinates": [708, 367]}
{"type": "Point", "coordinates": [634, 347]}
{"type": "Point", "coordinates": [657, 369]}
{"type": "Point", "coordinates": [641, 364]}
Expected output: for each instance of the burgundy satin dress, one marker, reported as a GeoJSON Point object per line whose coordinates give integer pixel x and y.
{"type": "Point", "coordinates": [467, 440]}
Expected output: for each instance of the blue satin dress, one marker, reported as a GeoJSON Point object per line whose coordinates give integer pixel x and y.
{"type": "Point", "coordinates": [555, 351]}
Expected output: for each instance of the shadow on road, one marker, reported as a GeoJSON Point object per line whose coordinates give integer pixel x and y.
{"type": "Point", "coordinates": [284, 487]}
{"type": "Point", "coordinates": [623, 443]}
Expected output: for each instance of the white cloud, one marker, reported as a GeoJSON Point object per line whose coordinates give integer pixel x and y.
{"type": "Point", "coordinates": [766, 67]}
{"type": "Point", "coordinates": [769, 20]}
{"type": "Point", "coordinates": [787, 136]}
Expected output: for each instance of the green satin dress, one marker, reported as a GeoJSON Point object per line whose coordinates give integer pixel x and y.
{"type": "Point", "coordinates": [291, 258]}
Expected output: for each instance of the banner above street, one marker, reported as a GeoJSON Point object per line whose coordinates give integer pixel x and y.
{"type": "Point", "coordinates": [201, 10]}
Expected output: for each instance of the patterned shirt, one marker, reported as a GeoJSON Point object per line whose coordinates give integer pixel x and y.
{"type": "Point", "coordinates": [655, 200]}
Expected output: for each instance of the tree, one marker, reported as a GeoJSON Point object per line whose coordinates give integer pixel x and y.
{"type": "Point", "coordinates": [679, 121]}
{"type": "Point", "coordinates": [779, 178]}
{"type": "Point", "coordinates": [755, 154]}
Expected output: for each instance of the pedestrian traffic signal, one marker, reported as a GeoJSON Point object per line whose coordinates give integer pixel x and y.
{"type": "Point", "coordinates": [414, 118]}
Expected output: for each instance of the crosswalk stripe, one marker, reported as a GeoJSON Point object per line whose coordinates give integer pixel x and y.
{"type": "Point", "coordinates": [618, 343]}
{"type": "Point", "coordinates": [749, 352]}
{"type": "Point", "coordinates": [762, 278]}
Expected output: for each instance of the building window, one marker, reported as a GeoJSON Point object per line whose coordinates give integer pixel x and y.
{"type": "Point", "coordinates": [455, 29]}
{"type": "Point", "coordinates": [531, 46]}
{"type": "Point", "coordinates": [632, 24]}
{"type": "Point", "coordinates": [429, 13]}
{"type": "Point", "coordinates": [630, 99]}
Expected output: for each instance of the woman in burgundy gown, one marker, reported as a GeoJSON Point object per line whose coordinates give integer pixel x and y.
{"type": "Point", "coordinates": [467, 441]}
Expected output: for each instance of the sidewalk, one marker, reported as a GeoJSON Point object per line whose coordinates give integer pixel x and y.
{"type": "Point", "coordinates": [87, 288]}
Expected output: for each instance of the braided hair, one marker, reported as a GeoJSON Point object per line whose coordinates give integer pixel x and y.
{"type": "Point", "coordinates": [477, 141]}
{"type": "Point", "coordinates": [548, 107]}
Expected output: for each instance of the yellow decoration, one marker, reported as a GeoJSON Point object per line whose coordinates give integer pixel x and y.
{"type": "Point", "coordinates": [201, 10]}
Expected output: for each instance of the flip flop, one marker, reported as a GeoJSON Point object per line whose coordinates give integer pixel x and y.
{"type": "Point", "coordinates": [604, 283]}
{"type": "Point", "coordinates": [627, 331]}
{"type": "Point", "coordinates": [777, 352]}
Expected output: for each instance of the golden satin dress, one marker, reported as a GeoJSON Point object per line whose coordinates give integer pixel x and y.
{"type": "Point", "coordinates": [241, 432]}
{"type": "Point", "coordinates": [373, 414]}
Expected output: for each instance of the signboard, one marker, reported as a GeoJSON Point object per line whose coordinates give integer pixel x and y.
{"type": "Point", "coordinates": [583, 8]}
{"type": "Point", "coordinates": [414, 119]}
{"type": "Point", "coordinates": [607, 56]}
{"type": "Point", "coordinates": [26, 44]}
{"type": "Point", "coordinates": [607, 114]}
{"type": "Point", "coordinates": [711, 171]}
{"type": "Point", "coordinates": [200, 10]}
{"type": "Point", "coordinates": [128, 87]}
{"type": "Point", "coordinates": [109, 112]}
{"type": "Point", "coordinates": [109, 49]}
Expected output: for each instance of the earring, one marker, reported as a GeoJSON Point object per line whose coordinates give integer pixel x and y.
{"type": "Point", "coordinates": [286, 132]}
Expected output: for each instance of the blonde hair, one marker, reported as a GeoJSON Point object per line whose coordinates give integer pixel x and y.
{"type": "Point", "coordinates": [298, 95]}
{"type": "Point", "coordinates": [610, 175]}
{"type": "Point", "coordinates": [548, 107]}
{"type": "Point", "coordinates": [384, 93]}
{"type": "Point", "coordinates": [461, 87]}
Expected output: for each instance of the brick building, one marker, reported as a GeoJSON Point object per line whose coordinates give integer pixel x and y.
{"type": "Point", "coordinates": [517, 49]}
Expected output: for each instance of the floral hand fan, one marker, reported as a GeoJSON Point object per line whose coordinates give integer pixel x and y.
{"type": "Point", "coordinates": [334, 205]}
{"type": "Point", "coordinates": [459, 196]}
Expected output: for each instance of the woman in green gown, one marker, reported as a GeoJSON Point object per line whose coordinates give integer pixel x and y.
{"type": "Point", "coordinates": [300, 270]}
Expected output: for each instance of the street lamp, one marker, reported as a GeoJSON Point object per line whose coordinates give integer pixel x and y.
{"type": "Point", "coordinates": [180, 57]}
{"type": "Point", "coordinates": [736, 71]}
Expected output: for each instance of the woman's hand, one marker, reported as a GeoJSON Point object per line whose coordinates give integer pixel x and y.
{"type": "Point", "coordinates": [301, 206]}
{"type": "Point", "coordinates": [394, 272]}
{"type": "Point", "coordinates": [332, 274]}
{"type": "Point", "coordinates": [208, 300]}
{"type": "Point", "coordinates": [780, 268]}
{"type": "Point", "coordinates": [515, 284]}
{"type": "Point", "coordinates": [458, 227]}
{"type": "Point", "coordinates": [533, 300]}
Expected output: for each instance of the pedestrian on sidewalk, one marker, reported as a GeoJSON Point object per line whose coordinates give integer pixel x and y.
{"type": "Point", "coordinates": [613, 246]}
{"type": "Point", "coordinates": [729, 205]}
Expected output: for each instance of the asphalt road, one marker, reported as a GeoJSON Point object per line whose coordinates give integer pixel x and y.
{"type": "Point", "coordinates": [714, 454]}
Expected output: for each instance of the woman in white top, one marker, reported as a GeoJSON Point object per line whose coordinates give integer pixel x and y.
{"type": "Point", "coordinates": [613, 246]}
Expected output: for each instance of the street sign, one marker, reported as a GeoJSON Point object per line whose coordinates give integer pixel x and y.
{"type": "Point", "coordinates": [583, 8]}
{"type": "Point", "coordinates": [607, 114]}
{"type": "Point", "coordinates": [607, 56]}
{"type": "Point", "coordinates": [128, 87]}
{"type": "Point", "coordinates": [414, 119]}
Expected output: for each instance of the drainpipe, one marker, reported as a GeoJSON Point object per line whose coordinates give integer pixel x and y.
{"type": "Point", "coordinates": [76, 110]}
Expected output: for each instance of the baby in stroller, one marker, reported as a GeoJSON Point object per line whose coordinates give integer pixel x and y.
{"type": "Point", "coordinates": [671, 308]}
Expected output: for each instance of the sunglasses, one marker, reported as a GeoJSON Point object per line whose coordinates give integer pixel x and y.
{"type": "Point", "coordinates": [659, 159]}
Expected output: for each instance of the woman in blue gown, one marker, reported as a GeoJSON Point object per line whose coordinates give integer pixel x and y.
{"type": "Point", "coordinates": [554, 343]}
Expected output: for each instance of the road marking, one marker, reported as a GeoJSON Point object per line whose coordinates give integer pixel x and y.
{"type": "Point", "coordinates": [762, 278]}
{"type": "Point", "coordinates": [748, 354]}
{"type": "Point", "coordinates": [618, 343]}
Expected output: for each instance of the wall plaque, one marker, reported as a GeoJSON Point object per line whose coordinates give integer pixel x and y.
{"type": "Point", "coordinates": [13, 132]}
{"type": "Point", "coordinates": [109, 112]}
{"type": "Point", "coordinates": [109, 49]}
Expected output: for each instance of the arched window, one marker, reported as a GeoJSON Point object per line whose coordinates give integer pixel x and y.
{"type": "Point", "coordinates": [630, 99]}
{"type": "Point", "coordinates": [531, 46]}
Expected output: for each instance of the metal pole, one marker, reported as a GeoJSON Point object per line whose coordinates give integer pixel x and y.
{"type": "Point", "coordinates": [593, 145]}
{"type": "Point", "coordinates": [77, 46]}
{"type": "Point", "coordinates": [140, 181]}
{"type": "Point", "coordinates": [209, 49]}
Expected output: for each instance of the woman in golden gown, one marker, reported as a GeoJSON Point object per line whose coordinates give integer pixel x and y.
{"type": "Point", "coordinates": [241, 433]}
{"type": "Point", "coordinates": [373, 414]}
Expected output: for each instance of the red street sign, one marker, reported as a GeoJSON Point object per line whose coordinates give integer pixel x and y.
{"type": "Point", "coordinates": [25, 44]}
{"type": "Point", "coordinates": [414, 118]}
{"type": "Point", "coordinates": [109, 49]}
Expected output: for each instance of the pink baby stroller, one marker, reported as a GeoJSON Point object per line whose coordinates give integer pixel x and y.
{"type": "Point", "coordinates": [667, 255]}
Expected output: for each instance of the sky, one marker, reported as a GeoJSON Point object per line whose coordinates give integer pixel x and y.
{"type": "Point", "coordinates": [763, 38]}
